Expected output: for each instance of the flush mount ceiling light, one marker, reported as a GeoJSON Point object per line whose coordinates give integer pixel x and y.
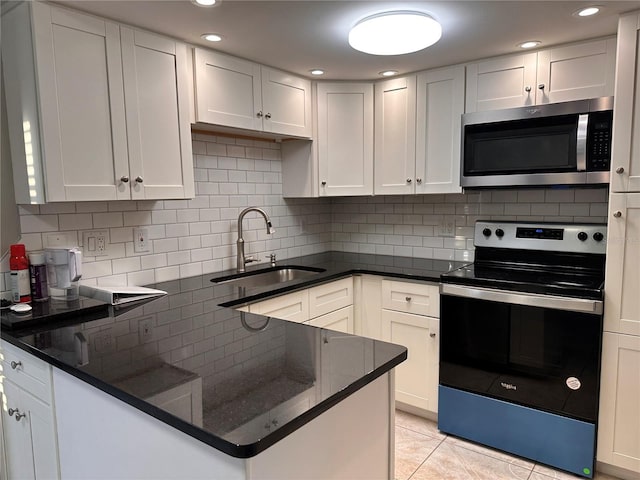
{"type": "Point", "coordinates": [529, 44]}
{"type": "Point", "coordinates": [389, 73]}
{"type": "Point", "coordinates": [206, 3]}
{"type": "Point", "coordinates": [211, 37]}
{"type": "Point", "coordinates": [395, 33]}
{"type": "Point", "coordinates": [587, 12]}
{"type": "Point", "coordinates": [316, 71]}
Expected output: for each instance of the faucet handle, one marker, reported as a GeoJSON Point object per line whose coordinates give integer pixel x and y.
{"type": "Point", "coordinates": [250, 259]}
{"type": "Point", "coordinates": [272, 259]}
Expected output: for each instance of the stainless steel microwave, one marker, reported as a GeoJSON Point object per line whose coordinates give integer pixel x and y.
{"type": "Point", "coordinates": [565, 143]}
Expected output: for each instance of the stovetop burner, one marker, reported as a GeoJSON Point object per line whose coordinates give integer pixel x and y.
{"type": "Point", "coordinates": [552, 259]}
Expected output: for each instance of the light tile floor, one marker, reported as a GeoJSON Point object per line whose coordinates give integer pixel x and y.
{"type": "Point", "coordinates": [423, 453]}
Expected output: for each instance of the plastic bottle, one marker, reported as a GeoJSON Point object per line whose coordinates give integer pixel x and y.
{"type": "Point", "coordinates": [38, 274]}
{"type": "Point", "coordinates": [19, 266]}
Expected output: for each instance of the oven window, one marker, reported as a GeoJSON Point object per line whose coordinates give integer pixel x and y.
{"type": "Point", "coordinates": [543, 145]}
{"type": "Point", "coordinates": [538, 357]}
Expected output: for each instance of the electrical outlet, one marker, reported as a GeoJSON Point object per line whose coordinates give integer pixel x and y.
{"type": "Point", "coordinates": [446, 228]}
{"type": "Point", "coordinates": [140, 240]}
{"type": "Point", "coordinates": [103, 341]}
{"type": "Point", "coordinates": [145, 330]}
{"type": "Point", "coordinates": [95, 243]}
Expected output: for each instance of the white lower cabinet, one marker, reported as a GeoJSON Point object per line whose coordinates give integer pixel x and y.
{"type": "Point", "coordinates": [410, 314]}
{"type": "Point", "coordinates": [619, 420]}
{"type": "Point", "coordinates": [293, 306]}
{"type": "Point", "coordinates": [339, 320]}
{"type": "Point", "coordinates": [28, 420]}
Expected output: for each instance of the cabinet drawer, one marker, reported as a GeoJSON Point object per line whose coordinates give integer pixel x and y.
{"type": "Point", "coordinates": [293, 306]}
{"type": "Point", "coordinates": [408, 297]}
{"type": "Point", "coordinates": [27, 371]}
{"type": "Point", "coordinates": [330, 296]}
{"type": "Point", "coordinates": [339, 320]}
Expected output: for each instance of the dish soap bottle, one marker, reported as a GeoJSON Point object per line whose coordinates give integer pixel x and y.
{"type": "Point", "coordinates": [20, 282]}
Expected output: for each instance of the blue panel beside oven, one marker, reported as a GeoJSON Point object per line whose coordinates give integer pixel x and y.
{"type": "Point", "coordinates": [558, 441]}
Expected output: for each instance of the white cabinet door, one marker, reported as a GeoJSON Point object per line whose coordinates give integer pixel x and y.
{"type": "Point", "coordinates": [286, 103]}
{"type": "Point", "coordinates": [417, 377]}
{"type": "Point", "coordinates": [501, 83]}
{"type": "Point", "coordinates": [395, 136]}
{"type": "Point", "coordinates": [79, 74]}
{"type": "Point", "coordinates": [619, 419]}
{"type": "Point", "coordinates": [30, 442]}
{"type": "Point", "coordinates": [293, 306]}
{"type": "Point", "coordinates": [227, 90]}
{"type": "Point", "coordinates": [625, 163]}
{"type": "Point", "coordinates": [345, 138]}
{"type": "Point", "coordinates": [622, 277]}
{"type": "Point", "coordinates": [159, 138]}
{"type": "Point", "coordinates": [338, 320]}
{"type": "Point", "coordinates": [330, 296]}
{"type": "Point", "coordinates": [575, 72]}
{"type": "Point", "coordinates": [440, 108]}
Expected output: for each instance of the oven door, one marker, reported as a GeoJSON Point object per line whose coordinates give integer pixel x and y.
{"type": "Point", "coordinates": [534, 350]}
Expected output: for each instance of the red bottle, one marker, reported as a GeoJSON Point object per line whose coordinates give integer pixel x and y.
{"type": "Point", "coordinates": [20, 282]}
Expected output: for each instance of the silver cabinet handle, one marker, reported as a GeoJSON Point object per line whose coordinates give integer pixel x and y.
{"type": "Point", "coordinates": [617, 214]}
{"type": "Point", "coordinates": [139, 179]}
{"type": "Point", "coordinates": [408, 180]}
{"type": "Point", "coordinates": [259, 114]}
{"type": "Point", "coordinates": [432, 335]}
{"type": "Point", "coordinates": [15, 365]}
{"type": "Point", "coordinates": [541, 86]}
{"type": "Point", "coordinates": [267, 116]}
{"type": "Point", "coordinates": [620, 170]}
{"type": "Point", "coordinates": [124, 179]}
{"type": "Point", "coordinates": [418, 180]}
{"type": "Point", "coordinates": [527, 89]}
{"type": "Point", "coordinates": [408, 299]}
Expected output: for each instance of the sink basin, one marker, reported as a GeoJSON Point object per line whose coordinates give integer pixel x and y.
{"type": "Point", "coordinates": [269, 276]}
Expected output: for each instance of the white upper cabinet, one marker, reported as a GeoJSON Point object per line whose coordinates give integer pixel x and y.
{"type": "Point", "coordinates": [439, 112]}
{"type": "Point", "coordinates": [237, 93]}
{"type": "Point", "coordinates": [561, 74]}
{"type": "Point", "coordinates": [345, 138]}
{"type": "Point", "coordinates": [625, 163]}
{"type": "Point", "coordinates": [158, 130]}
{"type": "Point", "coordinates": [100, 130]}
{"type": "Point", "coordinates": [395, 136]}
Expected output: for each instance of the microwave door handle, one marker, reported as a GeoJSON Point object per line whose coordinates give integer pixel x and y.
{"type": "Point", "coordinates": [581, 144]}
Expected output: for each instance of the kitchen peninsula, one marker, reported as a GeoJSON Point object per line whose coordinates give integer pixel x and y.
{"type": "Point", "coordinates": [274, 398]}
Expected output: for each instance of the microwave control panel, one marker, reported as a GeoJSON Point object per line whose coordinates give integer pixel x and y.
{"type": "Point", "coordinates": [599, 141]}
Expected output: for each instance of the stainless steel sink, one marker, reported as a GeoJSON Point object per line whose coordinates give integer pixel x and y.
{"type": "Point", "coordinates": [270, 276]}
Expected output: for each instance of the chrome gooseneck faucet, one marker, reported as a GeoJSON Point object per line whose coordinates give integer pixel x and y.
{"type": "Point", "coordinates": [241, 260]}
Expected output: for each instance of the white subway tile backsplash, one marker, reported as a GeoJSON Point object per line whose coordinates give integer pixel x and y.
{"type": "Point", "coordinates": [106, 220]}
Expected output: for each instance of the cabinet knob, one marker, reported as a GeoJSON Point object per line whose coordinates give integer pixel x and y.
{"type": "Point", "coordinates": [274, 423]}
{"type": "Point", "coordinates": [124, 179]}
{"type": "Point", "coordinates": [541, 86]}
{"type": "Point", "coordinates": [418, 180]}
{"type": "Point", "coordinates": [267, 116]}
{"type": "Point", "coordinates": [15, 365]}
{"type": "Point", "coordinates": [324, 184]}
{"type": "Point", "coordinates": [408, 180]}
{"type": "Point", "coordinates": [139, 179]}
{"type": "Point", "coordinates": [11, 411]}
{"type": "Point", "coordinates": [527, 89]}
{"type": "Point", "coordinates": [432, 335]}
{"type": "Point", "coordinates": [259, 114]}
{"type": "Point", "coordinates": [617, 214]}
{"type": "Point", "coordinates": [19, 416]}
{"type": "Point", "coordinates": [408, 299]}
{"type": "Point", "coordinates": [620, 170]}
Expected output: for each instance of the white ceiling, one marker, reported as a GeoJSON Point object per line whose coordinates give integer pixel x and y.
{"type": "Point", "coordinates": [300, 35]}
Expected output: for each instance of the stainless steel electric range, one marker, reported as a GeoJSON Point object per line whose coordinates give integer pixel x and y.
{"type": "Point", "coordinates": [521, 333]}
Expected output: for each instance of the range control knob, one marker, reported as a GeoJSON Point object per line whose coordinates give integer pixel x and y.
{"type": "Point", "coordinates": [598, 236]}
{"type": "Point", "coordinates": [499, 233]}
{"type": "Point", "coordinates": [582, 236]}
{"type": "Point", "coordinates": [486, 232]}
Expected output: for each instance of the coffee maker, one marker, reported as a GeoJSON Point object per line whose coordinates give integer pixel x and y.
{"type": "Point", "coordinates": [64, 269]}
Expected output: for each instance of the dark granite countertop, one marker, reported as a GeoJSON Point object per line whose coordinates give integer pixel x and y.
{"type": "Point", "coordinates": [260, 378]}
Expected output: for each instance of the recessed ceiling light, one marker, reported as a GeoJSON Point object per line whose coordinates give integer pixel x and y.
{"type": "Point", "coordinates": [529, 44]}
{"type": "Point", "coordinates": [316, 71]}
{"type": "Point", "coordinates": [206, 3]}
{"type": "Point", "coordinates": [587, 12]}
{"type": "Point", "coordinates": [395, 33]}
{"type": "Point", "coordinates": [211, 37]}
{"type": "Point", "coordinates": [389, 73]}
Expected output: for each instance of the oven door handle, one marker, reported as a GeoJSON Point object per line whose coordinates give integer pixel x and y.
{"type": "Point", "coordinates": [530, 299]}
